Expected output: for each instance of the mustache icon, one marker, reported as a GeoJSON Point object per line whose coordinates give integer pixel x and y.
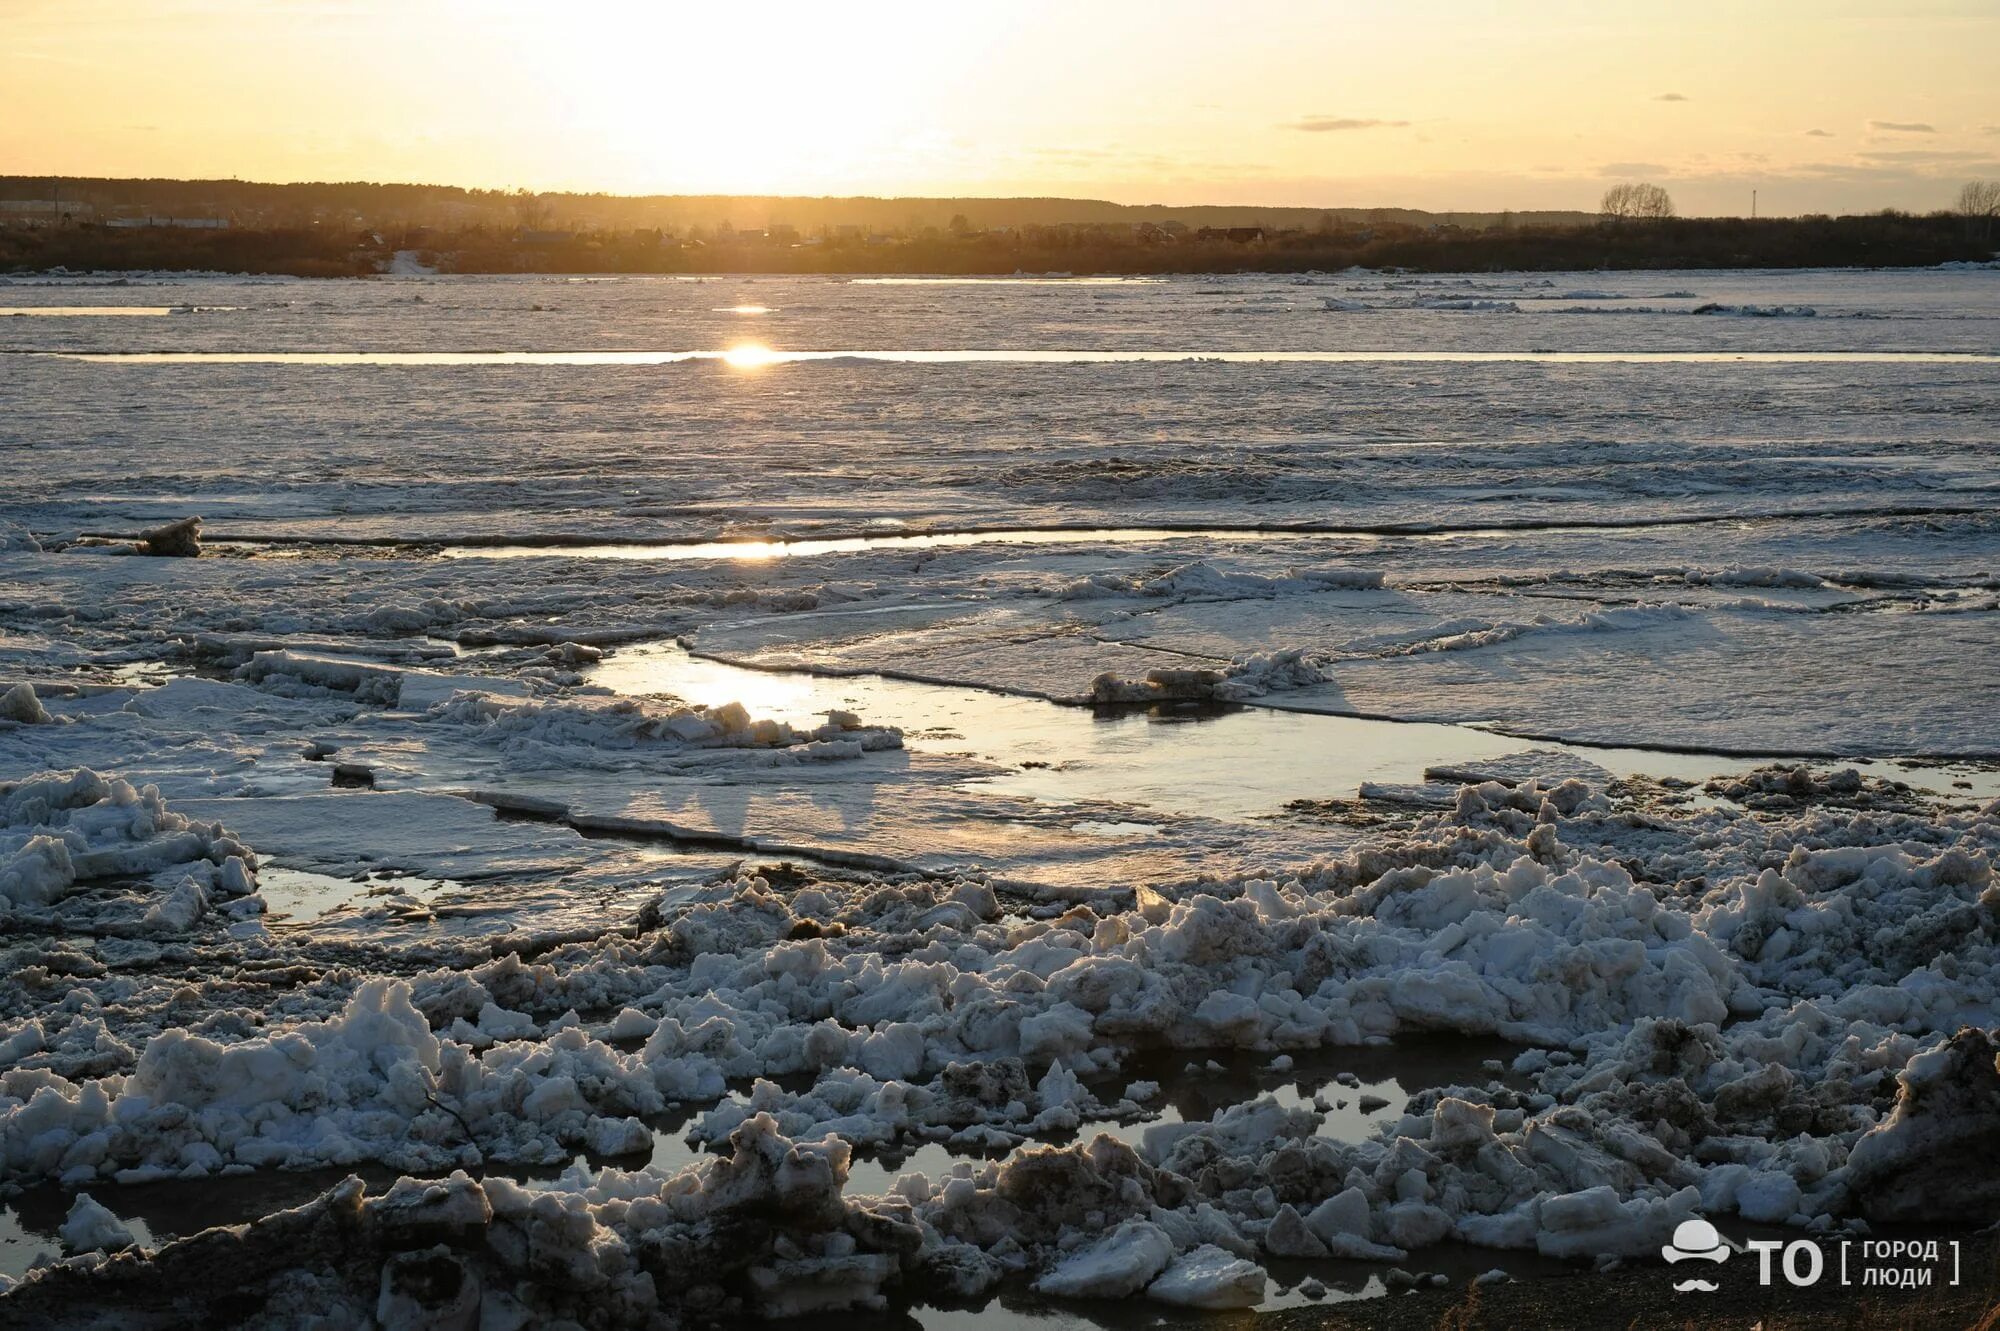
{"type": "Point", "coordinates": [1690, 1286]}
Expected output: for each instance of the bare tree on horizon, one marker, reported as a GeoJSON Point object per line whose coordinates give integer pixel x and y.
{"type": "Point", "coordinates": [1979, 204]}
{"type": "Point", "coordinates": [1636, 201]}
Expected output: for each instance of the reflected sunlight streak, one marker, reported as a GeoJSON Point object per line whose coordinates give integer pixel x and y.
{"type": "Point", "coordinates": [749, 356]}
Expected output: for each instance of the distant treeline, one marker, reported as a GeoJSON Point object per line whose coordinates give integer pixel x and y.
{"type": "Point", "coordinates": [1875, 240]}
{"type": "Point", "coordinates": [299, 253]}
{"type": "Point", "coordinates": [391, 208]}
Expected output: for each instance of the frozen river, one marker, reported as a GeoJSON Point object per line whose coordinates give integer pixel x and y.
{"type": "Point", "coordinates": [1033, 789]}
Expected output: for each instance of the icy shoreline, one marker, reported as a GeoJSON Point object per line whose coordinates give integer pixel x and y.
{"type": "Point", "coordinates": [1496, 917]}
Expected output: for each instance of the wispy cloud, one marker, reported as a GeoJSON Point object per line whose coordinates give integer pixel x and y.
{"type": "Point", "coordinates": [1926, 155]}
{"type": "Point", "coordinates": [1883, 173]}
{"type": "Point", "coordinates": [1818, 134]}
{"type": "Point", "coordinates": [1324, 124]}
{"type": "Point", "coordinates": [1673, 97]}
{"type": "Point", "coordinates": [1903, 126]}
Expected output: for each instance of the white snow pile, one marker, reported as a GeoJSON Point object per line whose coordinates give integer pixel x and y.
{"type": "Point", "coordinates": [1460, 304]}
{"type": "Point", "coordinates": [60, 829]}
{"type": "Point", "coordinates": [1858, 925]}
{"type": "Point", "coordinates": [373, 1083]}
{"type": "Point", "coordinates": [1203, 581]}
{"type": "Point", "coordinates": [310, 675]}
{"type": "Point", "coordinates": [1464, 304]}
{"type": "Point", "coordinates": [23, 706]}
{"type": "Point", "coordinates": [761, 1231]}
{"type": "Point", "coordinates": [1243, 679]}
{"type": "Point", "coordinates": [409, 263]}
{"type": "Point", "coordinates": [178, 539]}
{"type": "Point", "coordinates": [1478, 930]}
{"type": "Point", "coordinates": [1488, 941]}
{"type": "Point", "coordinates": [72, 1043]}
{"type": "Point", "coordinates": [376, 675]}
{"type": "Point", "coordinates": [971, 1106]}
{"type": "Point", "coordinates": [1757, 311]}
{"type": "Point", "coordinates": [1119, 1265]}
{"type": "Point", "coordinates": [1270, 672]}
{"type": "Point", "coordinates": [1934, 1158]}
{"type": "Point", "coordinates": [1848, 945]}
{"type": "Point", "coordinates": [1759, 575]}
{"type": "Point", "coordinates": [1332, 577]}
{"type": "Point", "coordinates": [552, 731]}
{"type": "Point", "coordinates": [421, 617]}
{"type": "Point", "coordinates": [1471, 632]}
{"type": "Point", "coordinates": [1786, 787]}
{"type": "Point", "coordinates": [92, 1227]}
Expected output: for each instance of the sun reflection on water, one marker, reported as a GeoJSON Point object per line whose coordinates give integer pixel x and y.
{"type": "Point", "coordinates": [798, 699]}
{"type": "Point", "coordinates": [749, 356]}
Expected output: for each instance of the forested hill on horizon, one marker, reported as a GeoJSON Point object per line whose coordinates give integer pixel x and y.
{"type": "Point", "coordinates": [362, 203]}
{"type": "Point", "coordinates": [340, 230]}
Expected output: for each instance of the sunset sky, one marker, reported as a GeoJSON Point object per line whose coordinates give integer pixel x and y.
{"type": "Point", "coordinates": [1821, 106]}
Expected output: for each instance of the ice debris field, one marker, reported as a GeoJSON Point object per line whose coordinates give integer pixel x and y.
{"type": "Point", "coordinates": [654, 839]}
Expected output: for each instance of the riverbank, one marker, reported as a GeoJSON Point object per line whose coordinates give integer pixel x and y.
{"type": "Point", "coordinates": [1873, 241]}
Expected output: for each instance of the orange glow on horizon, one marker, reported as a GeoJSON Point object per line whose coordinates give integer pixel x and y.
{"type": "Point", "coordinates": [1822, 105]}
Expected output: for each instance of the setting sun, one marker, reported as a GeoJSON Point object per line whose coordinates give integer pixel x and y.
{"type": "Point", "coordinates": [1822, 105]}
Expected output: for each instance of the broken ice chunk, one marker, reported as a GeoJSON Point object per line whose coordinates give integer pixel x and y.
{"type": "Point", "coordinates": [91, 1227]}
{"type": "Point", "coordinates": [1208, 1277]}
{"type": "Point", "coordinates": [179, 539]}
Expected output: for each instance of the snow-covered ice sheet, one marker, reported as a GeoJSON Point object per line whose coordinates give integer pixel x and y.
{"type": "Point", "coordinates": [1020, 444]}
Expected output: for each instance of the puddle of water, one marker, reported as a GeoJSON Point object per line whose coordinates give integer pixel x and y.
{"type": "Point", "coordinates": [1198, 1083]}
{"type": "Point", "coordinates": [298, 895]}
{"type": "Point", "coordinates": [1193, 1091]}
{"type": "Point", "coordinates": [1188, 760]}
{"type": "Point", "coordinates": [1218, 763]}
{"type": "Point", "coordinates": [753, 358]}
{"type": "Point", "coordinates": [142, 674]}
{"type": "Point", "coordinates": [159, 1212]}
